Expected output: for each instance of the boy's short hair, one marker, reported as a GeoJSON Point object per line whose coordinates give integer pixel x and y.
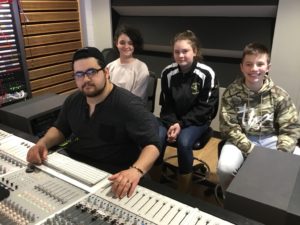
{"type": "Point", "coordinates": [88, 52]}
{"type": "Point", "coordinates": [256, 48]}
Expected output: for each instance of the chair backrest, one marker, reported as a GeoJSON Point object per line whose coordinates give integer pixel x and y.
{"type": "Point", "coordinates": [110, 54]}
{"type": "Point", "coordinates": [151, 91]}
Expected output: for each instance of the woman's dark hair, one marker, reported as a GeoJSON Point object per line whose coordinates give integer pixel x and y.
{"type": "Point", "coordinates": [134, 35]}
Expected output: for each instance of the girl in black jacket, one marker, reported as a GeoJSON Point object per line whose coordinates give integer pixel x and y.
{"type": "Point", "coordinates": [189, 101]}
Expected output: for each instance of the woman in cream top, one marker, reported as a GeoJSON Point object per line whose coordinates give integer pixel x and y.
{"type": "Point", "coordinates": [127, 71]}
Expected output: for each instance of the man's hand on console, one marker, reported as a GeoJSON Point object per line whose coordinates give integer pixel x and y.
{"type": "Point", "coordinates": [37, 154]}
{"type": "Point", "coordinates": [125, 182]}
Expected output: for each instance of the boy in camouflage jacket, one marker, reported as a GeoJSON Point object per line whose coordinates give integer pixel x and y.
{"type": "Point", "coordinates": [254, 111]}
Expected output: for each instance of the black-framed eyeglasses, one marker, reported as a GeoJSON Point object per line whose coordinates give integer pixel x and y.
{"type": "Point", "coordinates": [89, 73]}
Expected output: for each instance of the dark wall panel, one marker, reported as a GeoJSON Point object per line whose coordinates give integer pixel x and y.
{"type": "Point", "coordinates": [214, 32]}
{"type": "Point", "coordinates": [225, 71]}
{"type": "Point", "coordinates": [226, 33]}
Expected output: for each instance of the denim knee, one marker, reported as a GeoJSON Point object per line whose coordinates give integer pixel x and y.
{"type": "Point", "coordinates": [184, 143]}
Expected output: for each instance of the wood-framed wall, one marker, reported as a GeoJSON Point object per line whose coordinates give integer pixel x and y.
{"type": "Point", "coordinates": [52, 33]}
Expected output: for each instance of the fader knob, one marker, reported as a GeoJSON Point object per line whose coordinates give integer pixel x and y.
{"type": "Point", "coordinates": [32, 217]}
{"type": "Point", "coordinates": [48, 221]}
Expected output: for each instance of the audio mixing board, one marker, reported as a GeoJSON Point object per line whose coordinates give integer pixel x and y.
{"type": "Point", "coordinates": [64, 191]}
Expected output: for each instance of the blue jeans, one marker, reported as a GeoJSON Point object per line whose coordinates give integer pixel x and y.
{"type": "Point", "coordinates": [185, 141]}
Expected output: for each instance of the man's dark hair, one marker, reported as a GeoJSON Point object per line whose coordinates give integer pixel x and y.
{"type": "Point", "coordinates": [88, 52]}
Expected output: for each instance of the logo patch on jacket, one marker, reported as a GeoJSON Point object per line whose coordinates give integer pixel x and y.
{"type": "Point", "coordinates": [195, 88]}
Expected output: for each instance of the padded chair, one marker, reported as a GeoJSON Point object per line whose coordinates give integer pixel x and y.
{"type": "Point", "coordinates": [110, 54]}
{"type": "Point", "coordinates": [201, 171]}
{"type": "Point", "coordinates": [151, 91]}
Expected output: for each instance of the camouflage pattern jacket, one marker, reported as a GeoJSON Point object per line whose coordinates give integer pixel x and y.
{"type": "Point", "coordinates": [270, 111]}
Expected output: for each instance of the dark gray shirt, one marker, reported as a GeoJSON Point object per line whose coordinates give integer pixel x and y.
{"type": "Point", "coordinates": [112, 138]}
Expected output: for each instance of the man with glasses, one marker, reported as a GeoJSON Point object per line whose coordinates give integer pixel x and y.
{"type": "Point", "coordinates": [109, 127]}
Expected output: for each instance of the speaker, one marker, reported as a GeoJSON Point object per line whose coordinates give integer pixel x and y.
{"type": "Point", "coordinates": [33, 116]}
{"type": "Point", "coordinates": [267, 188]}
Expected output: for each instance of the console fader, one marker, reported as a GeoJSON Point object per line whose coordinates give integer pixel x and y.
{"type": "Point", "coordinates": [8, 163]}
{"type": "Point", "coordinates": [144, 207]}
{"type": "Point", "coordinates": [35, 196]}
{"type": "Point", "coordinates": [31, 196]}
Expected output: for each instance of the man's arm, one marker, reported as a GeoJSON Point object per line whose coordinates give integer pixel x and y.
{"type": "Point", "coordinates": [38, 153]}
{"type": "Point", "coordinates": [125, 182]}
{"type": "Point", "coordinates": [146, 159]}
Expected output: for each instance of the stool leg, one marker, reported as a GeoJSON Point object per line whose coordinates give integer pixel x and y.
{"type": "Point", "coordinates": [184, 182]}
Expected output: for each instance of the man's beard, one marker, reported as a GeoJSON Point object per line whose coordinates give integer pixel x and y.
{"type": "Point", "coordinates": [96, 92]}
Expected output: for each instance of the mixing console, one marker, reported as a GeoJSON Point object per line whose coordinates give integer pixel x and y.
{"type": "Point", "coordinates": [84, 173]}
{"type": "Point", "coordinates": [16, 147]}
{"type": "Point", "coordinates": [34, 196]}
{"type": "Point", "coordinates": [144, 207]}
{"type": "Point", "coordinates": [9, 163]}
{"type": "Point", "coordinates": [39, 196]}
{"type": "Point", "coordinates": [3, 134]}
